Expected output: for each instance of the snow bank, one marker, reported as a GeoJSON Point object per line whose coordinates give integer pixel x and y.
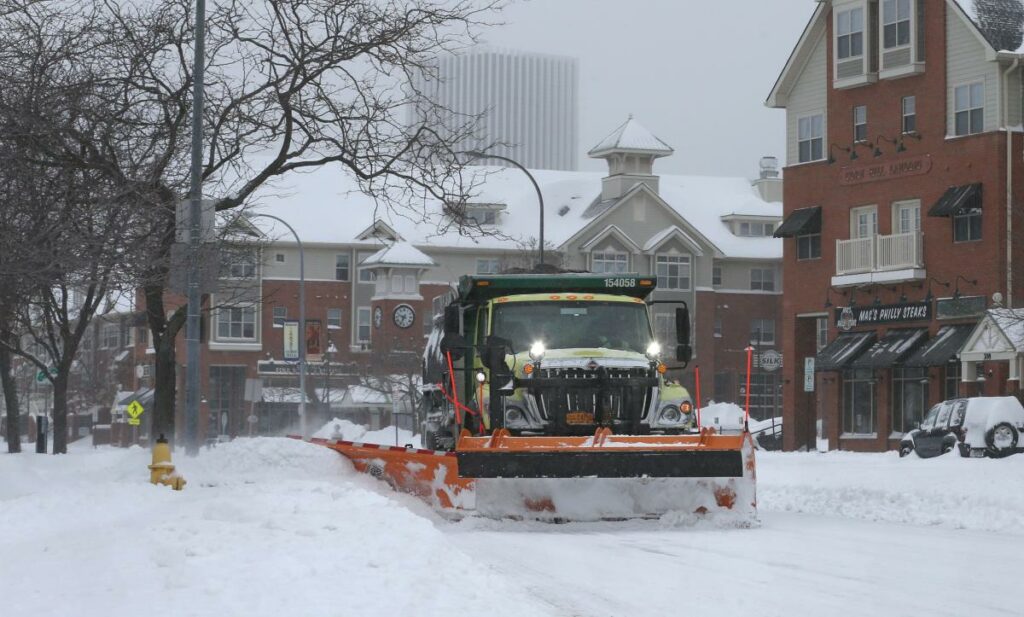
{"type": "Point", "coordinates": [948, 491]}
{"type": "Point", "coordinates": [264, 527]}
{"type": "Point", "coordinates": [347, 430]}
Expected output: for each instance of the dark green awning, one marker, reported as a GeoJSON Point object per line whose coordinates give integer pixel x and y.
{"type": "Point", "coordinates": [942, 348]}
{"type": "Point", "coordinates": [842, 351]}
{"type": "Point", "coordinates": [892, 348]}
{"type": "Point", "coordinates": [800, 222]}
{"type": "Point", "coordinates": [957, 198]}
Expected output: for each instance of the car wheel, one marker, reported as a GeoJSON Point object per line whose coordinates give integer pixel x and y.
{"type": "Point", "coordinates": [946, 449]}
{"type": "Point", "coordinates": [905, 449]}
{"type": "Point", "coordinates": [1002, 440]}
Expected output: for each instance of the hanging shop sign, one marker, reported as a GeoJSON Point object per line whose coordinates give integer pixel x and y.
{"type": "Point", "coordinates": [769, 361]}
{"type": "Point", "coordinates": [874, 172]}
{"type": "Point", "coordinates": [849, 317]}
{"type": "Point", "coordinates": [291, 340]}
{"type": "Point", "coordinates": [959, 308]}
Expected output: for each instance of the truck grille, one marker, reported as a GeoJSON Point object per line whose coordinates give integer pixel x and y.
{"type": "Point", "coordinates": [580, 391]}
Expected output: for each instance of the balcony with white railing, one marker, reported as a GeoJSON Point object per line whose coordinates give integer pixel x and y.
{"type": "Point", "coordinates": [880, 259]}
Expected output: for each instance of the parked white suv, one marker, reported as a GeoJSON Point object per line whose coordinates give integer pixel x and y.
{"type": "Point", "coordinates": [981, 426]}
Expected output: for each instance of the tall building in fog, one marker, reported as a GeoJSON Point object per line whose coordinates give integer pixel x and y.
{"type": "Point", "coordinates": [530, 103]}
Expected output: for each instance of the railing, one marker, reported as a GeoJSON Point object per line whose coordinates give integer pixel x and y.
{"type": "Point", "coordinates": [880, 253]}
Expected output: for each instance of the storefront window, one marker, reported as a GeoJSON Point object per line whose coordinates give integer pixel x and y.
{"type": "Point", "coordinates": [952, 381]}
{"type": "Point", "coordinates": [859, 402]}
{"type": "Point", "coordinates": [909, 398]}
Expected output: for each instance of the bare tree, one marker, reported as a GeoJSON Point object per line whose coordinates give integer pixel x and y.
{"type": "Point", "coordinates": [290, 85]}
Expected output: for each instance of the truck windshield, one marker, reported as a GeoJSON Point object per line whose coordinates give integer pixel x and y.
{"type": "Point", "coordinates": [573, 325]}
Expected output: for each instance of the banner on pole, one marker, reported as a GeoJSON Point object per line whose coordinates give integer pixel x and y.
{"type": "Point", "coordinates": [291, 340]}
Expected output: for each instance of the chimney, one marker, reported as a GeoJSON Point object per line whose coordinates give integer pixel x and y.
{"type": "Point", "coordinates": [768, 183]}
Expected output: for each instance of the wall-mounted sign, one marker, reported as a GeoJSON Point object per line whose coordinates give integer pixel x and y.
{"type": "Point", "coordinates": [958, 308]}
{"type": "Point", "coordinates": [849, 317]}
{"type": "Point", "coordinates": [770, 360]}
{"type": "Point", "coordinates": [874, 172]}
{"type": "Point", "coordinates": [313, 337]}
{"type": "Point", "coordinates": [291, 340]}
{"type": "Point", "coordinates": [277, 367]}
{"type": "Point", "coordinates": [809, 374]}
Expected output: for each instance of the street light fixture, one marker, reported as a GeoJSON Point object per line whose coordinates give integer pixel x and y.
{"type": "Point", "coordinates": [540, 197]}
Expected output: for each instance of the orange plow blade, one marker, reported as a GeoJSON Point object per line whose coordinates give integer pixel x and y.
{"type": "Point", "coordinates": [603, 476]}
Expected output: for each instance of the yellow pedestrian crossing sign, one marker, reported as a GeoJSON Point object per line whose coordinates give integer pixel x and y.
{"type": "Point", "coordinates": [135, 410]}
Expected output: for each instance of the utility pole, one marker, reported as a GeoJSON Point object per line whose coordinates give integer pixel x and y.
{"type": "Point", "coordinates": [194, 240]}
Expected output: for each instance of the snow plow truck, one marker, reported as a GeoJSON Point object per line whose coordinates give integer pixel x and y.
{"type": "Point", "coordinates": [545, 397]}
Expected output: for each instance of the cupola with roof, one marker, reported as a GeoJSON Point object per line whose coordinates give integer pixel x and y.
{"type": "Point", "coordinates": [630, 151]}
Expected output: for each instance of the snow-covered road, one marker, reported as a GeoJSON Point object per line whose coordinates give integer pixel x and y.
{"type": "Point", "coordinates": [274, 527]}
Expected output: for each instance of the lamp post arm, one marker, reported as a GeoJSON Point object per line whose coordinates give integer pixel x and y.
{"type": "Point", "coordinates": [540, 196]}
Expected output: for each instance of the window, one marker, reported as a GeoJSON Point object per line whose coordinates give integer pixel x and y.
{"type": "Point", "coordinates": [238, 263]}
{"type": "Point", "coordinates": [612, 263]}
{"type": "Point", "coordinates": [236, 322]}
{"type": "Point", "coordinates": [860, 123]}
{"type": "Point", "coordinates": [762, 332]}
{"type": "Point", "coordinates": [673, 271]}
{"type": "Point", "coordinates": [858, 402]}
{"type": "Point", "coordinates": [895, 23]}
{"type": "Point", "coordinates": [967, 225]}
{"type": "Point", "coordinates": [280, 315]}
{"type": "Point", "coordinates": [906, 217]}
{"type": "Point", "coordinates": [129, 336]}
{"type": "Point", "coordinates": [909, 398]}
{"type": "Point", "coordinates": [810, 138]}
{"type": "Point", "coordinates": [482, 216]}
{"type": "Point", "coordinates": [864, 222]}
{"type": "Point", "coordinates": [333, 318]}
{"type": "Point", "coordinates": [718, 327]}
{"type": "Point", "coordinates": [909, 114]}
{"type": "Point", "coordinates": [366, 275]}
{"type": "Point", "coordinates": [279, 258]}
{"type": "Point", "coordinates": [821, 334]}
{"type": "Point", "coordinates": [808, 246]}
{"type": "Point", "coordinates": [363, 324]}
{"type": "Point", "coordinates": [952, 381]}
{"type": "Point", "coordinates": [489, 265]}
{"type": "Point", "coordinates": [764, 391]}
{"type": "Point", "coordinates": [850, 33]}
{"type": "Point", "coordinates": [111, 336]}
{"type": "Point", "coordinates": [144, 336]}
{"type": "Point", "coordinates": [341, 267]}
{"type": "Point", "coordinates": [756, 229]}
{"type": "Point", "coordinates": [762, 279]}
{"type": "Point", "coordinates": [716, 276]}
{"type": "Point", "coordinates": [969, 109]}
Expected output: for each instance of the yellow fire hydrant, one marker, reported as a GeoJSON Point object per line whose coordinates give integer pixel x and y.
{"type": "Point", "coordinates": [162, 469]}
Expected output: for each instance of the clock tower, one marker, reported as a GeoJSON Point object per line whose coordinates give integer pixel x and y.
{"type": "Point", "coordinates": [398, 310]}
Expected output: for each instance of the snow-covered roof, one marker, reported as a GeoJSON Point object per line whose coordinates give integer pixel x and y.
{"type": "Point", "coordinates": [336, 394]}
{"type": "Point", "coordinates": [633, 137]}
{"type": "Point", "coordinates": [363, 395]}
{"type": "Point", "coordinates": [970, 10]}
{"type": "Point", "coordinates": [1011, 322]}
{"type": "Point", "coordinates": [399, 253]}
{"type": "Point", "coordinates": [275, 394]}
{"type": "Point", "coordinates": [324, 207]}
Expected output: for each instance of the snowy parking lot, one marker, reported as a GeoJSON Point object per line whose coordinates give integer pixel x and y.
{"type": "Point", "coordinates": [275, 526]}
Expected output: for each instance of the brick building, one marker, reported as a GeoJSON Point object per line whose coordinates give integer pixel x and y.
{"type": "Point", "coordinates": [901, 185]}
{"type": "Point", "coordinates": [375, 279]}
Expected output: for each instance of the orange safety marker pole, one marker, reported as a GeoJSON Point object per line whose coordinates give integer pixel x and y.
{"type": "Point", "coordinates": [746, 412]}
{"type": "Point", "coordinates": [696, 370]}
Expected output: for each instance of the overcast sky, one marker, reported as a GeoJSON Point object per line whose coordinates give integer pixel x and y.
{"type": "Point", "coordinates": [694, 72]}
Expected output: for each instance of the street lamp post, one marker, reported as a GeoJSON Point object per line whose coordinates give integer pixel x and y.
{"type": "Point", "coordinates": [331, 349]}
{"type": "Point", "coordinates": [540, 196]}
{"type": "Point", "coordinates": [302, 320]}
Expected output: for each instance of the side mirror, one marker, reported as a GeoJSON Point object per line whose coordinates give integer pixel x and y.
{"type": "Point", "coordinates": [684, 352]}
{"type": "Point", "coordinates": [452, 320]}
{"type": "Point", "coordinates": [493, 354]}
{"type": "Point", "coordinates": [455, 344]}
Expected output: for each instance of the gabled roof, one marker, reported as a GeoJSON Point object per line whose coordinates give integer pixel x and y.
{"type": "Point", "coordinates": [614, 232]}
{"type": "Point", "coordinates": [377, 230]}
{"type": "Point", "coordinates": [631, 136]}
{"type": "Point", "coordinates": [660, 238]}
{"type": "Point", "coordinates": [813, 31]}
{"type": "Point", "coordinates": [967, 10]}
{"type": "Point", "coordinates": [399, 254]}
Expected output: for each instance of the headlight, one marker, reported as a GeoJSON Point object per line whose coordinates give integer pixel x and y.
{"type": "Point", "coordinates": [671, 415]}
{"type": "Point", "coordinates": [654, 350]}
{"type": "Point", "coordinates": [537, 351]}
{"type": "Point", "coordinates": [686, 407]}
{"type": "Point", "coordinates": [481, 377]}
{"type": "Point", "coordinates": [515, 418]}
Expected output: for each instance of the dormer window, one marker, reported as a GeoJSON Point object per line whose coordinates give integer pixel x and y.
{"type": "Point", "coordinates": [900, 41]}
{"type": "Point", "coordinates": [484, 215]}
{"type": "Point", "coordinates": [854, 62]}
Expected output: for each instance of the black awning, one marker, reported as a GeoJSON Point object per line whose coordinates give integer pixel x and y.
{"type": "Point", "coordinates": [942, 348]}
{"type": "Point", "coordinates": [800, 222]}
{"type": "Point", "coordinates": [957, 198]}
{"type": "Point", "coordinates": [893, 347]}
{"type": "Point", "coordinates": [840, 352]}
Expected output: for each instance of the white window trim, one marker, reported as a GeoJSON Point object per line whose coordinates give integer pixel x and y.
{"type": "Point", "coordinates": [983, 108]}
{"type": "Point", "coordinates": [854, 212]}
{"type": "Point", "coordinates": [368, 311]}
{"type": "Point", "coordinates": [689, 270]}
{"type": "Point", "coordinates": [864, 124]}
{"type": "Point", "coordinates": [273, 317]}
{"type": "Point", "coordinates": [904, 115]}
{"type": "Point", "coordinates": [495, 260]}
{"type": "Point", "coordinates": [327, 318]}
{"type": "Point", "coordinates": [348, 269]}
{"type": "Point", "coordinates": [242, 339]}
{"type": "Point", "coordinates": [775, 280]}
{"type": "Point", "coordinates": [901, 205]}
{"type": "Point", "coordinates": [615, 253]}
{"type": "Point", "coordinates": [912, 43]}
{"type": "Point", "coordinates": [283, 256]}
{"type": "Point", "coordinates": [824, 131]}
{"type": "Point", "coordinates": [864, 25]}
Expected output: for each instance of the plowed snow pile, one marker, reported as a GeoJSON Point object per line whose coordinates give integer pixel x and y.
{"type": "Point", "coordinates": [948, 491]}
{"type": "Point", "coordinates": [265, 527]}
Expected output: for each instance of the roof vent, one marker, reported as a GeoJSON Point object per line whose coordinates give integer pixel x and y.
{"type": "Point", "coordinates": [563, 211]}
{"type": "Point", "coordinates": [769, 167]}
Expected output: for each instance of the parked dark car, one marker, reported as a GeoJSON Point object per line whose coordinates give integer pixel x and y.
{"type": "Point", "coordinates": [975, 427]}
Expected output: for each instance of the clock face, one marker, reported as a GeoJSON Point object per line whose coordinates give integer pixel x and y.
{"type": "Point", "coordinates": [378, 317]}
{"type": "Point", "coordinates": [404, 316]}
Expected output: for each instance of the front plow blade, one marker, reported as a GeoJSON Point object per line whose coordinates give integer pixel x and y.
{"type": "Point", "coordinates": [610, 476]}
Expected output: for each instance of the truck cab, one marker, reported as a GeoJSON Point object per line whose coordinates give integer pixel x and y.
{"type": "Point", "coordinates": [561, 354]}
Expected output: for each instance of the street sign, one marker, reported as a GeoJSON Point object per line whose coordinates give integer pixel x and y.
{"type": "Point", "coordinates": [134, 410]}
{"type": "Point", "coordinates": [809, 374]}
{"type": "Point", "coordinates": [41, 375]}
{"type": "Point", "coordinates": [291, 340]}
{"type": "Point", "coordinates": [253, 390]}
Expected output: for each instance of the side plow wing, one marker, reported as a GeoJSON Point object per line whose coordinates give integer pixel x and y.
{"type": "Point", "coordinates": [600, 477]}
